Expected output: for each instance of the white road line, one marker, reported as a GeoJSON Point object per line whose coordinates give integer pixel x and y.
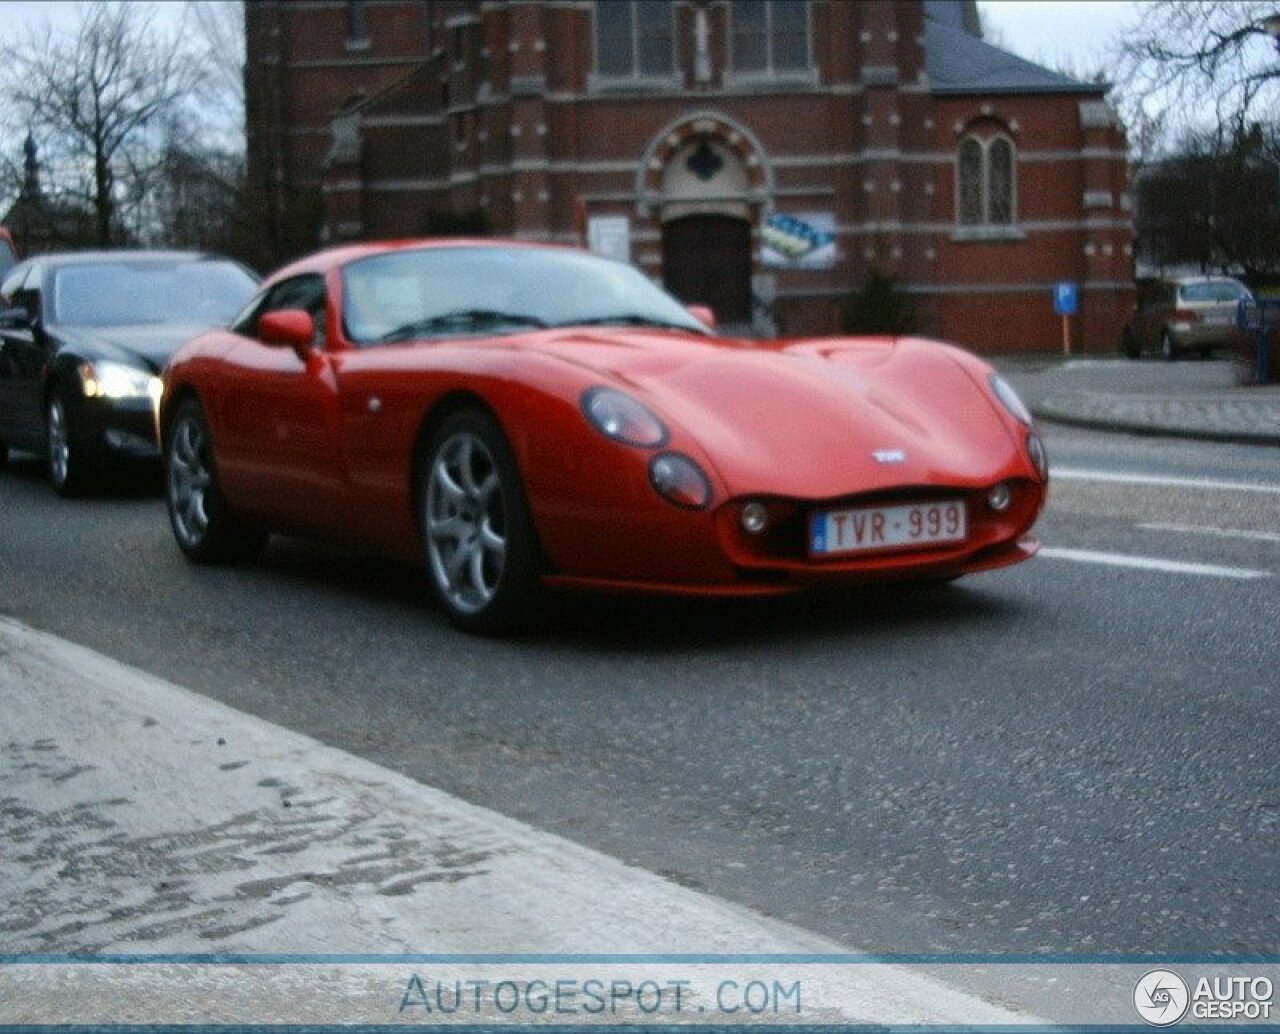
{"type": "Point", "coordinates": [1089, 556]}
{"type": "Point", "coordinates": [1222, 533]}
{"type": "Point", "coordinates": [1122, 478]}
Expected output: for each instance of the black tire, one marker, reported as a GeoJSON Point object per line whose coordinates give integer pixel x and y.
{"type": "Point", "coordinates": [478, 539]}
{"type": "Point", "coordinates": [1167, 348]}
{"type": "Point", "coordinates": [67, 456]}
{"type": "Point", "coordinates": [4, 455]}
{"type": "Point", "coordinates": [1129, 344]}
{"type": "Point", "coordinates": [205, 527]}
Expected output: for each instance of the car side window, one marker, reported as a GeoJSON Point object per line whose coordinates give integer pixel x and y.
{"type": "Point", "coordinates": [305, 292]}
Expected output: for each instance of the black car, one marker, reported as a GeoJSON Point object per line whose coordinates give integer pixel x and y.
{"type": "Point", "coordinates": [83, 338]}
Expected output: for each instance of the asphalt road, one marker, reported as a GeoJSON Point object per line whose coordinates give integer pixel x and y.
{"type": "Point", "coordinates": [1070, 756]}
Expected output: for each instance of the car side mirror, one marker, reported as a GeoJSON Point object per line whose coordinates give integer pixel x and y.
{"type": "Point", "coordinates": [291, 328]}
{"type": "Point", "coordinates": [704, 314]}
{"type": "Point", "coordinates": [16, 318]}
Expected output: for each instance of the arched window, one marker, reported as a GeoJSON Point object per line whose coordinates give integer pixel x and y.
{"type": "Point", "coordinates": [986, 181]}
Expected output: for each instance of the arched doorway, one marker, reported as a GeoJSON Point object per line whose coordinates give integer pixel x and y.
{"type": "Point", "coordinates": [706, 259]}
{"type": "Point", "coordinates": [706, 227]}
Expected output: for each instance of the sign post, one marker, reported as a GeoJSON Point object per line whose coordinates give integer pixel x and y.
{"type": "Point", "coordinates": [1066, 303]}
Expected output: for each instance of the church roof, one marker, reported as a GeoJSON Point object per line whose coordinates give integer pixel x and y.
{"type": "Point", "coordinates": [959, 61]}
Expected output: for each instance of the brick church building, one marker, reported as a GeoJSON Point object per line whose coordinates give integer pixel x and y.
{"type": "Point", "coordinates": [755, 155]}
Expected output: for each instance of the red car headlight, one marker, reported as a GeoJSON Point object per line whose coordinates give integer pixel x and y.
{"type": "Point", "coordinates": [1003, 390]}
{"type": "Point", "coordinates": [680, 481]}
{"type": "Point", "coordinates": [1039, 456]}
{"type": "Point", "coordinates": [622, 418]}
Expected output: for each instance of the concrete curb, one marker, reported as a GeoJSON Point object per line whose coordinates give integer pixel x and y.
{"type": "Point", "coordinates": [1053, 415]}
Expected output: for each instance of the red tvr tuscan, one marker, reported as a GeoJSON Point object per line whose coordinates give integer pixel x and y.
{"type": "Point", "coordinates": [520, 416]}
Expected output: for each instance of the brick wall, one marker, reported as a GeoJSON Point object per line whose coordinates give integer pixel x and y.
{"type": "Point", "coordinates": [507, 119]}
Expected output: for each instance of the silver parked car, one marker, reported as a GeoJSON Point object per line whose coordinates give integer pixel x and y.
{"type": "Point", "coordinates": [1183, 314]}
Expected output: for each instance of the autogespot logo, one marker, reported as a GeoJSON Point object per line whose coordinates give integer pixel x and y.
{"type": "Point", "coordinates": [1161, 998]}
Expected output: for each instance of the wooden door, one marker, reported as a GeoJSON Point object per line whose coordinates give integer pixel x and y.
{"type": "Point", "coordinates": [706, 260]}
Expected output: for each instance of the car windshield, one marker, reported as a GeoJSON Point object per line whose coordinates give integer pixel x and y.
{"type": "Point", "coordinates": [454, 291]}
{"type": "Point", "coordinates": [126, 293]}
{"type": "Point", "coordinates": [1213, 291]}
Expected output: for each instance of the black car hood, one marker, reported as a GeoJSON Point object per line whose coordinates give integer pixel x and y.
{"type": "Point", "coordinates": [147, 344]}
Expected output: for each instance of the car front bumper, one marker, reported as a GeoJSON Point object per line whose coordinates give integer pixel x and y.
{"type": "Point", "coordinates": [123, 428]}
{"type": "Point", "coordinates": [715, 556]}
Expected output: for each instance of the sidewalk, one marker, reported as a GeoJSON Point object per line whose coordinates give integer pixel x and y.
{"type": "Point", "coordinates": [138, 817]}
{"type": "Point", "coordinates": [1189, 399]}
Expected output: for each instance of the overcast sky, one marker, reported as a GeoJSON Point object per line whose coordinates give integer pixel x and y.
{"type": "Point", "coordinates": [1077, 32]}
{"type": "Point", "coordinates": [1058, 33]}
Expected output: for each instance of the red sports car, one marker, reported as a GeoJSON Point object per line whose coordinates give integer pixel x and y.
{"type": "Point", "coordinates": [521, 416]}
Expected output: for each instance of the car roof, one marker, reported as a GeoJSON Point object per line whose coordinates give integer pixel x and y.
{"type": "Point", "coordinates": [73, 258]}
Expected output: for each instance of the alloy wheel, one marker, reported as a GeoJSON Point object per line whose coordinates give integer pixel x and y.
{"type": "Point", "coordinates": [59, 443]}
{"type": "Point", "coordinates": [465, 523]}
{"type": "Point", "coordinates": [188, 481]}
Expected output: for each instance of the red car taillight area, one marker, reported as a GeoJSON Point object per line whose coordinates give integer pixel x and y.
{"type": "Point", "coordinates": [1185, 316]}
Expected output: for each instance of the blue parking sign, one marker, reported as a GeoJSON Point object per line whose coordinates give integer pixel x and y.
{"type": "Point", "coordinates": [1066, 300]}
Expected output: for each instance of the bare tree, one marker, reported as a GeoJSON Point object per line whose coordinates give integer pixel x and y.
{"type": "Point", "coordinates": [1214, 204]}
{"type": "Point", "coordinates": [1203, 63]}
{"type": "Point", "coordinates": [102, 103]}
{"type": "Point", "coordinates": [218, 37]}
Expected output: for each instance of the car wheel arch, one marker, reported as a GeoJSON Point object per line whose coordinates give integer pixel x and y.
{"type": "Point", "coordinates": [174, 398]}
{"type": "Point", "coordinates": [439, 411]}
{"type": "Point", "coordinates": [58, 377]}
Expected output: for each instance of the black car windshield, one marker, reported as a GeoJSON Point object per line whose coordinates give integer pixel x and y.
{"type": "Point", "coordinates": [121, 293]}
{"type": "Point", "coordinates": [459, 291]}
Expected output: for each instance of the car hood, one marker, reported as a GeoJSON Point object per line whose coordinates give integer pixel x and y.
{"type": "Point", "coordinates": [813, 419]}
{"type": "Point", "coordinates": [148, 344]}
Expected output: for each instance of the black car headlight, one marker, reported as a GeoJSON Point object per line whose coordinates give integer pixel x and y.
{"type": "Point", "coordinates": [104, 379]}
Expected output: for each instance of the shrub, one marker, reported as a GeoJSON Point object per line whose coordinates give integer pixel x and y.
{"type": "Point", "coordinates": [879, 306]}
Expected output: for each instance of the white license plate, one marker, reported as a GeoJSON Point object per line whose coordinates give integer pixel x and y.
{"type": "Point", "coordinates": [887, 527]}
{"type": "Point", "coordinates": [1220, 318]}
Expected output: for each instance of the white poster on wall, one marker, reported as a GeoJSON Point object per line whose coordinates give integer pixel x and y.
{"type": "Point", "coordinates": [610, 236]}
